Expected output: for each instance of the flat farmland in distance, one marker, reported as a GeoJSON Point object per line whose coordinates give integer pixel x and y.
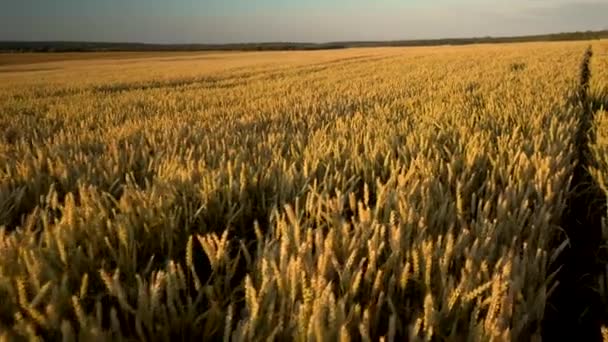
{"type": "Point", "coordinates": [8, 58]}
{"type": "Point", "coordinates": [107, 66]}
{"type": "Point", "coordinates": [398, 193]}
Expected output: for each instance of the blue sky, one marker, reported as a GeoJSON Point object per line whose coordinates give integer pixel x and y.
{"type": "Point", "coordinates": [229, 21]}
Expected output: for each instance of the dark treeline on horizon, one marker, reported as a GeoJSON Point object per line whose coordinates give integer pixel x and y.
{"type": "Point", "coordinates": [59, 46]}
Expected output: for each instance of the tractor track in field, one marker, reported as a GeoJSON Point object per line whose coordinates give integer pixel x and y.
{"type": "Point", "coordinates": [574, 311]}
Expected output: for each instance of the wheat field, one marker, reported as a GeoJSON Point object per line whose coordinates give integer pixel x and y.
{"type": "Point", "coordinates": [599, 166]}
{"type": "Point", "coordinates": [362, 194]}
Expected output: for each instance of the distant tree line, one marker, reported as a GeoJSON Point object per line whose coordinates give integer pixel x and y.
{"type": "Point", "coordinates": [59, 46]}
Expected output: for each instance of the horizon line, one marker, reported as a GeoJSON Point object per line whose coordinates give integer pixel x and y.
{"type": "Point", "coordinates": [304, 42]}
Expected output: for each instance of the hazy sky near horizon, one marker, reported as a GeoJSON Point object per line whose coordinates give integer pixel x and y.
{"type": "Point", "coordinates": [230, 21]}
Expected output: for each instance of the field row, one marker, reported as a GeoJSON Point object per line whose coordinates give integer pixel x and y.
{"type": "Point", "coordinates": [359, 194]}
{"type": "Point", "coordinates": [598, 155]}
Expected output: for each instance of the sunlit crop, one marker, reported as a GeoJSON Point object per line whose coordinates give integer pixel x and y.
{"type": "Point", "coordinates": [599, 154]}
{"type": "Point", "coordinates": [394, 193]}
